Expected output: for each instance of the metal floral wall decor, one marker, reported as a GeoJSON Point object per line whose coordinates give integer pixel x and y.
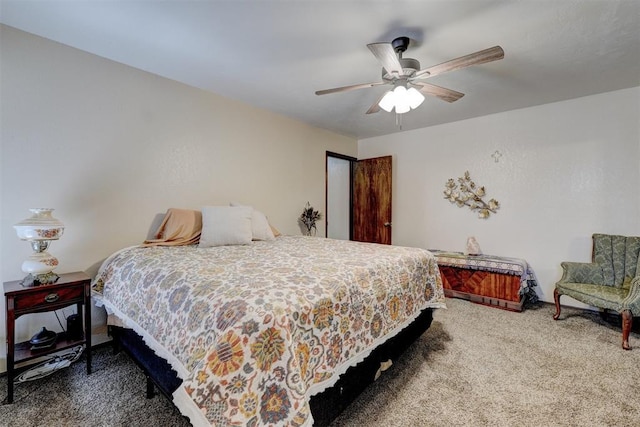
{"type": "Point", "coordinates": [467, 193]}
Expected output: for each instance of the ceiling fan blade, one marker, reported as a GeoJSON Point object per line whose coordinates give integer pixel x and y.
{"type": "Point", "coordinates": [487, 55]}
{"type": "Point", "coordinates": [348, 88]}
{"type": "Point", "coordinates": [445, 94]}
{"type": "Point", "coordinates": [375, 107]}
{"type": "Point", "coordinates": [387, 56]}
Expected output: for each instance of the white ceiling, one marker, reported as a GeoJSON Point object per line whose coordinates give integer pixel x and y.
{"type": "Point", "coordinates": [276, 54]}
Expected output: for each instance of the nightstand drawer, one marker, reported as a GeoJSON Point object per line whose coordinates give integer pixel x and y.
{"type": "Point", "coordinates": [49, 298]}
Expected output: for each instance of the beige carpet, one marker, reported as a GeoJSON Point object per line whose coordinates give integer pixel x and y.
{"type": "Point", "coordinates": [482, 366]}
{"type": "Point", "coordinates": [475, 366]}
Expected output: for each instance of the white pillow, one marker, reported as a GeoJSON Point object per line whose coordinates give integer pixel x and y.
{"type": "Point", "coordinates": [260, 228]}
{"type": "Point", "coordinates": [225, 225]}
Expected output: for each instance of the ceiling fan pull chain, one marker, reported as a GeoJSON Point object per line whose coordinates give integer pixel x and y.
{"type": "Point", "coordinates": [399, 121]}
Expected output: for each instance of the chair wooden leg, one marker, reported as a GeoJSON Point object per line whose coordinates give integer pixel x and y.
{"type": "Point", "coordinates": [627, 322]}
{"type": "Point", "coordinates": [556, 298]}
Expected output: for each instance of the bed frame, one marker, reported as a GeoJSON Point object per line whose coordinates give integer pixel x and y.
{"type": "Point", "coordinates": [325, 406]}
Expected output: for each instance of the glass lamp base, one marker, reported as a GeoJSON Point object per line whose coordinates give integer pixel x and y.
{"type": "Point", "coordinates": [39, 279]}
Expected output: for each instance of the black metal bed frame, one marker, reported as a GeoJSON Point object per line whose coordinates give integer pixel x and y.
{"type": "Point", "coordinates": [325, 406]}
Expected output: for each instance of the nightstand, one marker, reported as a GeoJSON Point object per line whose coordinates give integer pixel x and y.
{"type": "Point", "coordinates": [71, 288]}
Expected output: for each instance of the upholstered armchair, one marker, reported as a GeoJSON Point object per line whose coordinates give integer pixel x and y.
{"type": "Point", "coordinates": [610, 282]}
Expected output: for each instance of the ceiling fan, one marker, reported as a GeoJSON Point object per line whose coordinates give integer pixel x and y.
{"type": "Point", "coordinates": [407, 79]}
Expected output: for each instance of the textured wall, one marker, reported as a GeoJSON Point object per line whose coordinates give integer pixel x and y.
{"type": "Point", "coordinates": [567, 170]}
{"type": "Point", "coordinates": [109, 147]}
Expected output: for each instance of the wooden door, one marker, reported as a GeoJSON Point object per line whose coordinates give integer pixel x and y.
{"type": "Point", "coordinates": [372, 200]}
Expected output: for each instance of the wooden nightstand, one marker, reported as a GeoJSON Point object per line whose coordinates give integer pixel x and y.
{"type": "Point", "coordinates": [71, 288]}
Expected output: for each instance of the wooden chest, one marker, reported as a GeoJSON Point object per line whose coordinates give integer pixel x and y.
{"type": "Point", "coordinates": [494, 281]}
{"type": "Point", "coordinates": [484, 287]}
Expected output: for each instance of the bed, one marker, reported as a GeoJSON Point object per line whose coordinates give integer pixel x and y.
{"type": "Point", "coordinates": [284, 331]}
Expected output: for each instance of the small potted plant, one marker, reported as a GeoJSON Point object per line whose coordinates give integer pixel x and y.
{"type": "Point", "coordinates": [308, 219]}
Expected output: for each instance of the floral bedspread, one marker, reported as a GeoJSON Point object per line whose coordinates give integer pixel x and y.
{"type": "Point", "coordinates": [255, 330]}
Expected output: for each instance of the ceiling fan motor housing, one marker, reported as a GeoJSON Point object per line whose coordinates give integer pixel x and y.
{"type": "Point", "coordinates": [409, 66]}
{"type": "Point", "coordinates": [400, 44]}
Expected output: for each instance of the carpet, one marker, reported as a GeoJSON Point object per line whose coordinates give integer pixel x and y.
{"type": "Point", "coordinates": [482, 366]}
{"type": "Point", "coordinates": [475, 366]}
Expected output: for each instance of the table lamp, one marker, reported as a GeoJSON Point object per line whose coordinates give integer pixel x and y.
{"type": "Point", "coordinates": [39, 229]}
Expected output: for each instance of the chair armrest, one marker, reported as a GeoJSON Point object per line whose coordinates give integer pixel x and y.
{"type": "Point", "coordinates": [582, 272]}
{"type": "Point", "coordinates": [632, 301]}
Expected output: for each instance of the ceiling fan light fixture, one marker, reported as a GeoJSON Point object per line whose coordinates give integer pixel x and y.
{"type": "Point", "coordinates": [388, 101]}
{"type": "Point", "coordinates": [415, 98]}
{"type": "Point", "coordinates": [402, 99]}
{"type": "Point", "coordinates": [402, 108]}
{"type": "Point", "coordinates": [400, 90]}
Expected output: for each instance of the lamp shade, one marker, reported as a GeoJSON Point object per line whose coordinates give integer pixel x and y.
{"type": "Point", "coordinates": [388, 101]}
{"type": "Point", "coordinates": [40, 226]}
{"type": "Point", "coordinates": [415, 98]}
{"type": "Point", "coordinates": [402, 100]}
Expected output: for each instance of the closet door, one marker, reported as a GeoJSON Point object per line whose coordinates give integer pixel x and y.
{"type": "Point", "coordinates": [372, 200]}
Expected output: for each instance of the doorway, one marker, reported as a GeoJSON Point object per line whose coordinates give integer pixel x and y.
{"type": "Point", "coordinates": [358, 198]}
{"type": "Point", "coordinates": [339, 196]}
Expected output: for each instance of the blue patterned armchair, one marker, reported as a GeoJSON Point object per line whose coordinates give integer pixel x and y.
{"type": "Point", "coordinates": [610, 282]}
